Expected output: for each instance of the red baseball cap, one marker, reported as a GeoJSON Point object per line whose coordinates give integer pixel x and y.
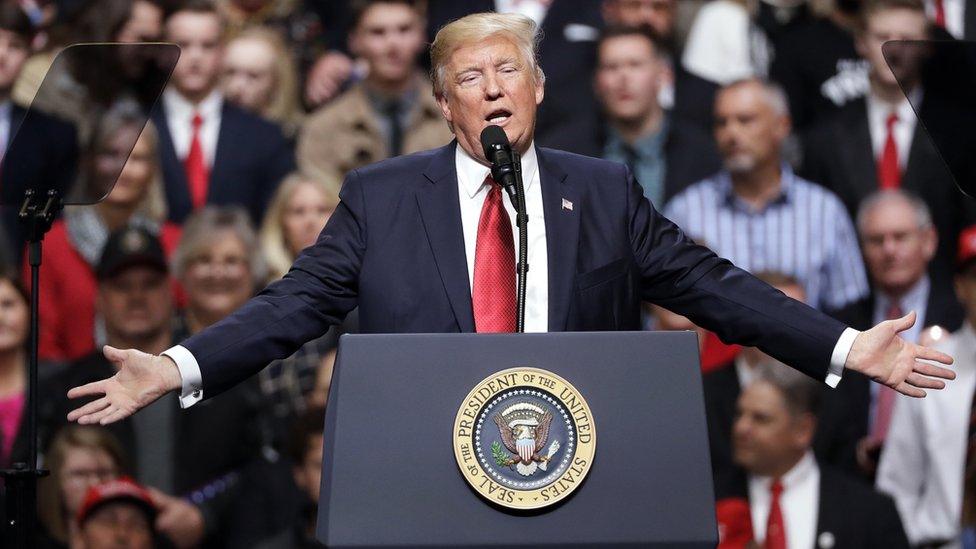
{"type": "Point", "coordinates": [120, 489]}
{"type": "Point", "coordinates": [967, 247]}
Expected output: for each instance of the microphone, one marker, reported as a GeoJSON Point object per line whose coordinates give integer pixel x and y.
{"type": "Point", "coordinates": [498, 151]}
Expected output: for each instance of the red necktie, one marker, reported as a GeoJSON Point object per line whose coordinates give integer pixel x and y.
{"type": "Point", "coordinates": [939, 14]}
{"type": "Point", "coordinates": [775, 527]}
{"type": "Point", "coordinates": [889, 173]}
{"type": "Point", "coordinates": [197, 174]}
{"type": "Point", "coordinates": [885, 405]}
{"type": "Point", "coordinates": [493, 295]}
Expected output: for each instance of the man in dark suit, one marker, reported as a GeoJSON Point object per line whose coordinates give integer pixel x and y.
{"type": "Point", "coordinates": [212, 152]}
{"type": "Point", "coordinates": [898, 240]}
{"type": "Point", "coordinates": [424, 243]}
{"type": "Point", "coordinates": [838, 426]}
{"type": "Point", "coordinates": [876, 142]}
{"type": "Point", "coordinates": [665, 153]}
{"type": "Point", "coordinates": [794, 500]}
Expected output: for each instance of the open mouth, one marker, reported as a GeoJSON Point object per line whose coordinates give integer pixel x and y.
{"type": "Point", "coordinates": [498, 116]}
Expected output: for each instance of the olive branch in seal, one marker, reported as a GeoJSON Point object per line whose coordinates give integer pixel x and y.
{"type": "Point", "coordinates": [502, 458]}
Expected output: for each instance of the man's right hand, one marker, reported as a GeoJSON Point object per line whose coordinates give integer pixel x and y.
{"type": "Point", "coordinates": [140, 379]}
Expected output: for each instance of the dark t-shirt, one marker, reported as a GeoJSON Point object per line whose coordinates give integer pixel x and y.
{"type": "Point", "coordinates": [819, 69]}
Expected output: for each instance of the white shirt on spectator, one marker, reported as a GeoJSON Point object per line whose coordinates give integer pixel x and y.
{"type": "Point", "coordinates": [924, 455]}
{"type": "Point", "coordinates": [904, 128]}
{"type": "Point", "coordinates": [718, 48]}
{"type": "Point", "coordinates": [179, 119]}
{"type": "Point", "coordinates": [955, 15]}
{"type": "Point", "coordinates": [535, 10]}
{"type": "Point", "coordinates": [798, 503]}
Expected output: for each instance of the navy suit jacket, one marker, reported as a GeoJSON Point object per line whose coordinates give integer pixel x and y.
{"type": "Point", "coordinates": [252, 158]}
{"type": "Point", "coordinates": [395, 248]}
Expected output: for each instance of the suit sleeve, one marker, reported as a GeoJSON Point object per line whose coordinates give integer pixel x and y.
{"type": "Point", "coordinates": [319, 290]}
{"type": "Point", "coordinates": [691, 280]}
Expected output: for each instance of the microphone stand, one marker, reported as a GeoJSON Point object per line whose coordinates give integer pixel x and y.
{"type": "Point", "coordinates": [522, 220]}
{"type": "Point", "coordinates": [36, 214]}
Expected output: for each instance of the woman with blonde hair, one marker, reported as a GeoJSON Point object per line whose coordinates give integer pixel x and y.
{"type": "Point", "coordinates": [74, 245]}
{"type": "Point", "coordinates": [298, 211]}
{"type": "Point", "coordinates": [260, 76]}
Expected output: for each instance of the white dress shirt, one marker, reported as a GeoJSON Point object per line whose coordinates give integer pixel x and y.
{"type": "Point", "coordinates": [179, 119]}
{"type": "Point", "coordinates": [924, 455]}
{"type": "Point", "coordinates": [799, 503]}
{"type": "Point", "coordinates": [471, 193]}
{"type": "Point", "coordinates": [904, 128]}
{"type": "Point", "coordinates": [955, 15]}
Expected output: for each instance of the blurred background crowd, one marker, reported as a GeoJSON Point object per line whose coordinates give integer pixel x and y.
{"type": "Point", "coordinates": [772, 131]}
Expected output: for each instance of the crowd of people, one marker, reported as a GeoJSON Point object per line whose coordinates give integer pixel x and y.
{"type": "Point", "coordinates": [771, 131]}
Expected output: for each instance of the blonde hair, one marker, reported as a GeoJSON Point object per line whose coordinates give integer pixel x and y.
{"type": "Point", "coordinates": [153, 205]}
{"type": "Point", "coordinates": [272, 236]}
{"type": "Point", "coordinates": [476, 28]}
{"type": "Point", "coordinates": [283, 106]}
{"type": "Point", "coordinates": [206, 226]}
{"type": "Point", "coordinates": [122, 115]}
{"type": "Point", "coordinates": [50, 500]}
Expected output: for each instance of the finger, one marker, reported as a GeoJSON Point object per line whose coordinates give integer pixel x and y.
{"type": "Point", "coordinates": [113, 354]}
{"type": "Point", "coordinates": [90, 408]}
{"type": "Point", "coordinates": [923, 382]}
{"type": "Point", "coordinates": [908, 390]}
{"type": "Point", "coordinates": [89, 389]}
{"type": "Point", "coordinates": [928, 353]}
{"type": "Point", "coordinates": [97, 417]}
{"type": "Point", "coordinates": [905, 322]}
{"type": "Point", "coordinates": [115, 414]}
{"type": "Point", "coordinates": [932, 370]}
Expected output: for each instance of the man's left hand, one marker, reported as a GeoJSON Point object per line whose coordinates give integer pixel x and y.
{"type": "Point", "coordinates": [882, 355]}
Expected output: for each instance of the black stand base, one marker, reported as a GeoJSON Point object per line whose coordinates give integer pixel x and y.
{"type": "Point", "coordinates": [20, 501]}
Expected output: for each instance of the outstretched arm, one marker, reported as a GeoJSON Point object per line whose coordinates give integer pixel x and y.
{"type": "Point", "coordinates": [691, 280]}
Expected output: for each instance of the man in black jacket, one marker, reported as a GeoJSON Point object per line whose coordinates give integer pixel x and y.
{"type": "Point", "coordinates": [665, 152]}
{"type": "Point", "coordinates": [795, 501]}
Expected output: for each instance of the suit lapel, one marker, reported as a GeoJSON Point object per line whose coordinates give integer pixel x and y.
{"type": "Point", "coordinates": [440, 212]}
{"type": "Point", "coordinates": [562, 237]}
{"type": "Point", "coordinates": [223, 153]}
{"type": "Point", "coordinates": [859, 157]}
{"type": "Point", "coordinates": [179, 191]}
{"type": "Point", "coordinates": [829, 514]}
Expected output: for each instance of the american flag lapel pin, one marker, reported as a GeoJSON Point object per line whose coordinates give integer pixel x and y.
{"type": "Point", "coordinates": [567, 205]}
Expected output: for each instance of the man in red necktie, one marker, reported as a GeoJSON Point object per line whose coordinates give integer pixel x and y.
{"type": "Point", "coordinates": [876, 142]}
{"type": "Point", "coordinates": [403, 246]}
{"type": "Point", "coordinates": [796, 503]}
{"type": "Point", "coordinates": [211, 151]}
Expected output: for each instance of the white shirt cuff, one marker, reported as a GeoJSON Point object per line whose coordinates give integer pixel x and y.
{"type": "Point", "coordinates": [192, 391]}
{"type": "Point", "coordinates": [839, 357]}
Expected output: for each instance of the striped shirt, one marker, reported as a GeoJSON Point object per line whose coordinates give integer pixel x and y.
{"type": "Point", "coordinates": [804, 232]}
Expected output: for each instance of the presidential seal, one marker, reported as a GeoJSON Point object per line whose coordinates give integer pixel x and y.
{"type": "Point", "coordinates": [524, 438]}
